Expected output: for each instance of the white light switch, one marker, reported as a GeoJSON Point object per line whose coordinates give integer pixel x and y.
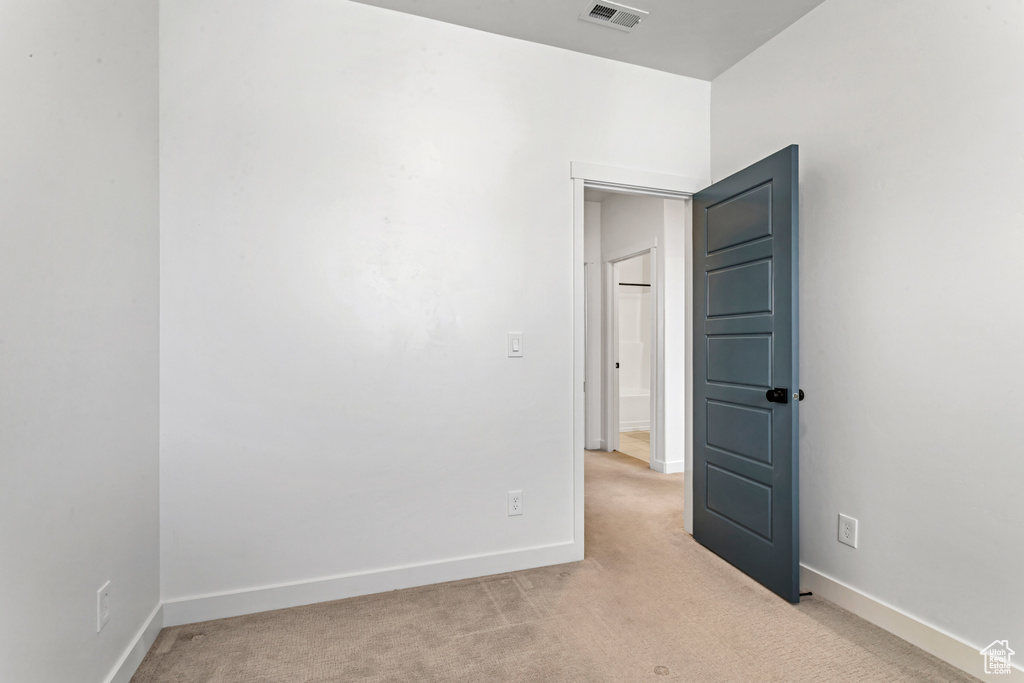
{"type": "Point", "coordinates": [515, 344]}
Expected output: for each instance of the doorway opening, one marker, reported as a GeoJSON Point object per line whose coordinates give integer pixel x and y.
{"type": "Point", "coordinates": [746, 269]}
{"type": "Point", "coordinates": [635, 325]}
{"type": "Point", "coordinates": [633, 341]}
{"type": "Point", "coordinates": [593, 186]}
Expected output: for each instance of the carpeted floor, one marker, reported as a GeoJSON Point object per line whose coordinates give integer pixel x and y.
{"type": "Point", "coordinates": [648, 603]}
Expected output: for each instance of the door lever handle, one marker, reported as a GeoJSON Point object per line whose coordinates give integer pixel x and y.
{"type": "Point", "coordinates": [782, 395]}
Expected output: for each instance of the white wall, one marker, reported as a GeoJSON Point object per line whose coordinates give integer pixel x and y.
{"type": "Point", "coordinates": [592, 257]}
{"type": "Point", "coordinates": [630, 224]}
{"type": "Point", "coordinates": [909, 120]}
{"type": "Point", "coordinates": [676, 357]}
{"type": "Point", "coordinates": [78, 334]}
{"type": "Point", "coordinates": [636, 269]}
{"type": "Point", "coordinates": [345, 244]}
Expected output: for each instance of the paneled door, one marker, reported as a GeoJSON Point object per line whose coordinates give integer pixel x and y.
{"type": "Point", "coordinates": [746, 372]}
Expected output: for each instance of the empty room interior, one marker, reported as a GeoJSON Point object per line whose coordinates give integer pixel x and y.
{"type": "Point", "coordinates": [306, 332]}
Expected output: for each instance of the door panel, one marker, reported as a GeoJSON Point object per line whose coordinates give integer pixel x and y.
{"type": "Point", "coordinates": [740, 430]}
{"type": "Point", "coordinates": [743, 218]}
{"type": "Point", "coordinates": [745, 481]}
{"type": "Point", "coordinates": [741, 500]}
{"type": "Point", "coordinates": [740, 289]}
{"type": "Point", "coordinates": [744, 360]}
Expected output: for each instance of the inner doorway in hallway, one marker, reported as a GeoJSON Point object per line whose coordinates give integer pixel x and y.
{"type": "Point", "coordinates": [634, 330]}
{"type": "Point", "coordinates": [636, 444]}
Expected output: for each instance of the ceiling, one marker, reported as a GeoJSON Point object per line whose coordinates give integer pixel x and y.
{"type": "Point", "coordinates": [697, 38]}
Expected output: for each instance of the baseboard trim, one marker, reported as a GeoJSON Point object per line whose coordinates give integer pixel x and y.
{"type": "Point", "coordinates": [261, 599]}
{"type": "Point", "coordinates": [136, 652]}
{"type": "Point", "coordinates": [635, 426]}
{"type": "Point", "coordinates": [932, 640]}
{"type": "Point", "coordinates": [671, 467]}
{"type": "Point", "coordinates": [946, 647]}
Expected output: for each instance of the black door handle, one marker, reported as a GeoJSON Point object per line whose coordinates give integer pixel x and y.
{"type": "Point", "coordinates": [782, 395]}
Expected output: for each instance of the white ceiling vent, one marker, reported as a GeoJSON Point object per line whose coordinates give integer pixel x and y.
{"type": "Point", "coordinates": [613, 15]}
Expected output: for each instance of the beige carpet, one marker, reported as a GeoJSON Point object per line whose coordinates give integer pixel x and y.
{"type": "Point", "coordinates": [648, 603]}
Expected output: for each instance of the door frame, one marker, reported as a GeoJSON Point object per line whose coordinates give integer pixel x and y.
{"type": "Point", "coordinates": [630, 181]}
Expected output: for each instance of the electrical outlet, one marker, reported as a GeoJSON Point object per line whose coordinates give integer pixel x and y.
{"type": "Point", "coordinates": [515, 503]}
{"type": "Point", "coordinates": [102, 606]}
{"type": "Point", "coordinates": [848, 530]}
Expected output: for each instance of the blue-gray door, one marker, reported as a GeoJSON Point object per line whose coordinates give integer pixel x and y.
{"type": "Point", "coordinates": [745, 386]}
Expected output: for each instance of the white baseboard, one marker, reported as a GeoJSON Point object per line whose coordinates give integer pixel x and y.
{"type": "Point", "coordinates": [261, 599]}
{"type": "Point", "coordinates": [672, 467]}
{"type": "Point", "coordinates": [946, 647]}
{"type": "Point", "coordinates": [136, 652]}
{"type": "Point", "coordinates": [635, 426]}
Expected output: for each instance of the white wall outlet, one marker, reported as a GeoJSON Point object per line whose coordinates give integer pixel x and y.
{"type": "Point", "coordinates": [515, 344]}
{"type": "Point", "coordinates": [515, 503]}
{"type": "Point", "coordinates": [102, 606]}
{"type": "Point", "coordinates": [848, 530]}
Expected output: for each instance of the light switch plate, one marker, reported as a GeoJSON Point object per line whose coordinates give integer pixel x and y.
{"type": "Point", "coordinates": [515, 344]}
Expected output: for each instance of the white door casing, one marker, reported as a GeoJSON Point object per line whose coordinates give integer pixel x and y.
{"type": "Point", "coordinates": [629, 181]}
